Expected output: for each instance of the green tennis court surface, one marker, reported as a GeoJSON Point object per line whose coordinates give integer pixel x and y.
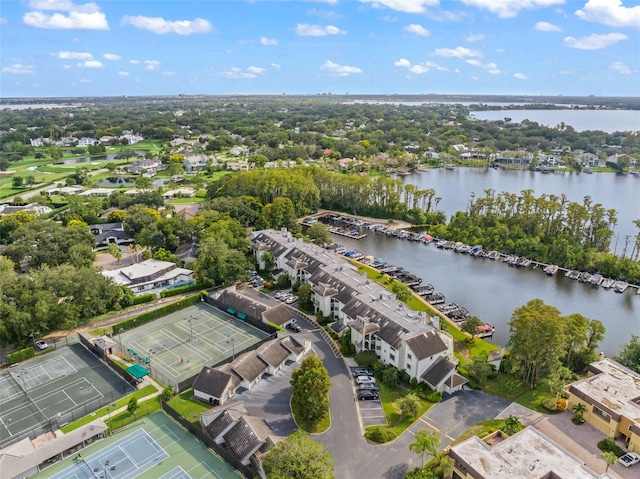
{"type": "Point", "coordinates": [157, 448]}
{"type": "Point", "coordinates": [177, 346]}
{"type": "Point", "coordinates": [43, 393]}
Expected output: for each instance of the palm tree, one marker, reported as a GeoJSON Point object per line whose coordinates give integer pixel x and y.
{"type": "Point", "coordinates": [512, 425]}
{"type": "Point", "coordinates": [578, 411]}
{"type": "Point", "coordinates": [609, 458]}
{"type": "Point", "coordinates": [425, 441]}
{"type": "Point", "coordinates": [409, 405]}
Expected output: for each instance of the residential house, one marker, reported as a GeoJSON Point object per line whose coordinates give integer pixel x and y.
{"type": "Point", "coordinates": [146, 166]}
{"type": "Point", "coordinates": [107, 233]}
{"type": "Point", "coordinates": [528, 454]}
{"type": "Point", "coordinates": [107, 139]}
{"type": "Point", "coordinates": [514, 158]}
{"type": "Point", "coordinates": [131, 138]}
{"type": "Point", "coordinates": [97, 192]}
{"type": "Point", "coordinates": [611, 396]}
{"type": "Point", "coordinates": [238, 165]}
{"type": "Point", "coordinates": [35, 208]}
{"type": "Point", "coordinates": [179, 193]}
{"type": "Point", "coordinates": [86, 141]}
{"type": "Point", "coordinates": [591, 160]}
{"type": "Point", "coordinates": [64, 190]}
{"type": "Point", "coordinates": [239, 150]}
{"type": "Point", "coordinates": [375, 320]}
{"type": "Point", "coordinates": [149, 276]}
{"type": "Point", "coordinates": [195, 163]}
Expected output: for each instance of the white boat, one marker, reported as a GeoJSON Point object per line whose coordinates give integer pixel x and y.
{"type": "Point", "coordinates": [607, 283]}
{"type": "Point", "coordinates": [620, 286]}
{"type": "Point", "coordinates": [551, 269]}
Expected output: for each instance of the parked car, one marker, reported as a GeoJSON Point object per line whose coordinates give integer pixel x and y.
{"type": "Point", "coordinates": [365, 380]}
{"type": "Point", "coordinates": [368, 386]}
{"type": "Point", "coordinates": [629, 459]}
{"type": "Point", "coordinates": [291, 299]}
{"type": "Point", "coordinates": [294, 327]}
{"type": "Point", "coordinates": [367, 395]}
{"type": "Point", "coordinates": [362, 372]}
{"type": "Point", "coordinates": [41, 345]}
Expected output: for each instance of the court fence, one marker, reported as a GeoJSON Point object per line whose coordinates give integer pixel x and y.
{"type": "Point", "coordinates": [110, 363]}
{"type": "Point", "coordinates": [246, 471]}
{"type": "Point", "coordinates": [249, 319]}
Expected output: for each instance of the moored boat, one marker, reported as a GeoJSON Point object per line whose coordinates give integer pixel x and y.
{"type": "Point", "coordinates": [596, 280]}
{"type": "Point", "coordinates": [551, 269]}
{"type": "Point", "coordinates": [607, 283]}
{"type": "Point", "coordinates": [620, 286]}
{"type": "Point", "coordinates": [485, 330]}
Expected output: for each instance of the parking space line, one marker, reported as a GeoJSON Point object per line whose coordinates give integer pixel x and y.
{"type": "Point", "coordinates": [431, 426]}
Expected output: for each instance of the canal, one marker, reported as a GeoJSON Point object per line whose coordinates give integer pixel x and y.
{"type": "Point", "coordinates": [492, 290]}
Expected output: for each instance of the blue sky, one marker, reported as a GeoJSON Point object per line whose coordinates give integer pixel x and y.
{"type": "Point", "coordinates": [163, 47]}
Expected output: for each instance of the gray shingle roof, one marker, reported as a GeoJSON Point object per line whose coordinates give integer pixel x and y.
{"type": "Point", "coordinates": [213, 382]}
{"type": "Point", "coordinates": [439, 371]}
{"type": "Point", "coordinates": [242, 440]}
{"type": "Point", "coordinates": [279, 315]}
{"type": "Point", "coordinates": [273, 353]}
{"type": "Point", "coordinates": [249, 366]}
{"type": "Point", "coordinates": [292, 345]}
{"type": "Point", "coordinates": [426, 344]}
{"type": "Point", "coordinates": [222, 423]}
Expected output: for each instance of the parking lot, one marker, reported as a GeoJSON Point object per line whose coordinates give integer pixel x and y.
{"type": "Point", "coordinates": [370, 410]}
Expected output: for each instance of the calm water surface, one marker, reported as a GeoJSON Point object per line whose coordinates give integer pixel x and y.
{"type": "Point", "coordinates": [612, 191]}
{"type": "Point", "coordinates": [492, 290]}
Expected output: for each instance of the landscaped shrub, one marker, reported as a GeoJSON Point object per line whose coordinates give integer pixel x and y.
{"type": "Point", "coordinates": [428, 394]}
{"type": "Point", "coordinates": [183, 289]}
{"type": "Point", "coordinates": [346, 346]}
{"type": "Point", "coordinates": [404, 377]}
{"type": "Point", "coordinates": [366, 358]}
{"type": "Point", "coordinates": [506, 365]}
{"type": "Point", "coordinates": [21, 355]}
{"type": "Point", "coordinates": [561, 404]}
{"type": "Point", "coordinates": [609, 445]}
{"type": "Point", "coordinates": [549, 404]}
{"type": "Point", "coordinates": [157, 313]}
{"type": "Point", "coordinates": [380, 434]}
{"type": "Point", "coordinates": [492, 375]}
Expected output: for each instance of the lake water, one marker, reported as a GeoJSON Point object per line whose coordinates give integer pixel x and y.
{"type": "Point", "coordinates": [612, 191]}
{"type": "Point", "coordinates": [87, 159]}
{"type": "Point", "coordinates": [116, 181]}
{"type": "Point", "coordinates": [492, 290]}
{"type": "Point", "coordinates": [580, 120]}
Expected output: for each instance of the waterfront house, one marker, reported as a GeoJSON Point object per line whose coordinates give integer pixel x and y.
{"type": "Point", "coordinates": [368, 312]}
{"type": "Point", "coordinates": [149, 167]}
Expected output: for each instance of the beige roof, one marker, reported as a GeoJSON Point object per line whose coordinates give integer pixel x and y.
{"type": "Point", "coordinates": [19, 458]}
{"type": "Point", "coordinates": [526, 455]}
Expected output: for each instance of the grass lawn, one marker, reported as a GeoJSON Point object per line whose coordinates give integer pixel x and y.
{"type": "Point", "coordinates": [480, 429]}
{"type": "Point", "coordinates": [180, 201]}
{"type": "Point", "coordinates": [188, 407]}
{"type": "Point", "coordinates": [102, 412]}
{"type": "Point", "coordinates": [317, 428]}
{"type": "Point", "coordinates": [509, 387]}
{"type": "Point", "coordinates": [125, 418]}
{"type": "Point", "coordinates": [389, 396]}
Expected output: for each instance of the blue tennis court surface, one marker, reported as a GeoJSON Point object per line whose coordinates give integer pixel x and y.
{"type": "Point", "coordinates": [128, 458]}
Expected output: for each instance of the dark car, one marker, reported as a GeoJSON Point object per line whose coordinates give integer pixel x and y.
{"type": "Point", "coordinates": [368, 387]}
{"type": "Point", "coordinates": [294, 327]}
{"type": "Point", "coordinates": [364, 395]}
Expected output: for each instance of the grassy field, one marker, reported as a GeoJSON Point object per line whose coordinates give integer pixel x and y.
{"type": "Point", "coordinates": [189, 408]}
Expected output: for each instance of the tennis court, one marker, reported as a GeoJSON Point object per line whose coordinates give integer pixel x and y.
{"type": "Point", "coordinates": [177, 346]}
{"type": "Point", "coordinates": [45, 392]}
{"type": "Point", "coordinates": [155, 448]}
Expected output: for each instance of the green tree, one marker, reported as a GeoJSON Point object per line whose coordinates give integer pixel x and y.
{"type": "Point", "coordinates": [298, 457]}
{"type": "Point", "coordinates": [401, 290]}
{"type": "Point", "coordinates": [479, 369]}
{"type": "Point", "coordinates": [114, 250]}
{"type": "Point", "coordinates": [537, 341]}
{"type": "Point", "coordinates": [144, 183]}
{"type": "Point", "coordinates": [219, 264]}
{"type": "Point", "coordinates": [319, 233]}
{"type": "Point", "coordinates": [578, 411]}
{"type": "Point", "coordinates": [17, 181]}
{"type": "Point", "coordinates": [629, 355]}
{"type": "Point", "coordinates": [609, 458]}
{"type": "Point", "coordinates": [425, 442]}
{"type": "Point", "coordinates": [409, 406]}
{"type": "Point", "coordinates": [132, 406]}
{"type": "Point", "coordinates": [512, 425]}
{"type": "Point", "coordinates": [304, 297]}
{"type": "Point", "coordinates": [310, 395]}
{"type": "Point", "coordinates": [390, 375]}
{"type": "Point", "coordinates": [471, 325]}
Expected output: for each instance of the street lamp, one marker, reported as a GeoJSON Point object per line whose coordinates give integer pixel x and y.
{"type": "Point", "coordinates": [233, 347]}
{"type": "Point", "coordinates": [33, 337]}
{"type": "Point", "coordinates": [109, 413]}
{"type": "Point", "coordinates": [190, 320]}
{"type": "Point", "coordinates": [120, 331]}
{"type": "Point", "coordinates": [103, 470]}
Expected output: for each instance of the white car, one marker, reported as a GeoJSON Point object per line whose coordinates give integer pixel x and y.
{"type": "Point", "coordinates": [365, 380]}
{"type": "Point", "coordinates": [629, 459]}
{"type": "Point", "coordinates": [41, 345]}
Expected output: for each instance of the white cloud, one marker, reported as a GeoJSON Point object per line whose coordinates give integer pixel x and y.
{"type": "Point", "coordinates": [520, 76]}
{"type": "Point", "coordinates": [610, 12]}
{"type": "Point", "coordinates": [168, 74]}
{"type": "Point", "coordinates": [66, 55]}
{"type": "Point", "coordinates": [418, 69]}
{"type": "Point", "coordinates": [66, 67]}
{"type": "Point", "coordinates": [151, 64]}
{"type": "Point", "coordinates": [330, 2]}
{"type": "Point", "coordinates": [91, 64]}
{"type": "Point", "coordinates": [407, 6]}
{"type": "Point", "coordinates": [458, 52]}
{"type": "Point", "coordinates": [474, 37]}
{"type": "Point", "coordinates": [256, 70]}
{"type": "Point", "coordinates": [84, 80]}
{"type": "Point", "coordinates": [134, 62]}
{"type": "Point", "coordinates": [161, 26]}
{"type": "Point", "coordinates": [403, 62]}
{"type": "Point", "coordinates": [19, 69]}
{"type": "Point", "coordinates": [595, 41]}
{"type": "Point", "coordinates": [335, 70]}
{"type": "Point", "coordinates": [275, 66]}
{"type": "Point", "coordinates": [510, 8]}
{"type": "Point", "coordinates": [123, 74]}
{"type": "Point", "coordinates": [111, 56]}
{"type": "Point", "coordinates": [620, 67]}
{"type": "Point", "coordinates": [80, 17]}
{"type": "Point", "coordinates": [417, 29]}
{"type": "Point", "coordinates": [491, 67]}
{"type": "Point", "coordinates": [547, 27]}
{"type": "Point", "coordinates": [307, 30]}
{"type": "Point", "coordinates": [236, 72]}
{"type": "Point", "coordinates": [268, 41]}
